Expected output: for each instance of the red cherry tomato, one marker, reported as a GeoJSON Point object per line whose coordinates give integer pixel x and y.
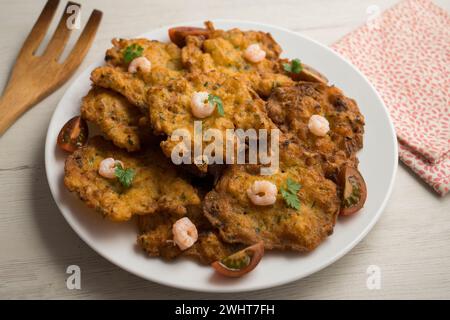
{"type": "Point", "coordinates": [241, 262]}
{"type": "Point", "coordinates": [354, 191]}
{"type": "Point", "coordinates": [178, 35]}
{"type": "Point", "coordinates": [73, 134]}
{"type": "Point", "coordinates": [308, 73]}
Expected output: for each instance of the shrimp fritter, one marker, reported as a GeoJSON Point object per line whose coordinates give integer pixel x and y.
{"type": "Point", "coordinates": [229, 208]}
{"type": "Point", "coordinates": [224, 52]}
{"type": "Point", "coordinates": [290, 109]}
{"type": "Point", "coordinates": [156, 185]}
{"type": "Point", "coordinates": [119, 120]}
{"type": "Point", "coordinates": [171, 107]}
{"type": "Point", "coordinates": [156, 238]}
{"type": "Point", "coordinates": [160, 54]}
{"type": "Point", "coordinates": [166, 65]}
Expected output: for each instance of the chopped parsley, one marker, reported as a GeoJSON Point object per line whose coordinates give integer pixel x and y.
{"type": "Point", "coordinates": [295, 66]}
{"type": "Point", "coordinates": [131, 52]}
{"type": "Point", "coordinates": [215, 100]}
{"type": "Point", "coordinates": [125, 176]}
{"type": "Point", "coordinates": [290, 193]}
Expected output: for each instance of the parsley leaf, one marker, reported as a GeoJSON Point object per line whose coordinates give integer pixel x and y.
{"type": "Point", "coordinates": [295, 66]}
{"type": "Point", "coordinates": [290, 193]}
{"type": "Point", "coordinates": [291, 199]}
{"type": "Point", "coordinates": [293, 186]}
{"type": "Point", "coordinates": [125, 176]}
{"type": "Point", "coordinates": [212, 99]}
{"type": "Point", "coordinates": [131, 52]}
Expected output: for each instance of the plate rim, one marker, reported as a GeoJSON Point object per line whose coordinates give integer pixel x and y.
{"type": "Point", "coordinates": [230, 289]}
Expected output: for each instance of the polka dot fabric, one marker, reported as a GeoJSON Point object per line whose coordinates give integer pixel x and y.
{"type": "Point", "coordinates": [405, 53]}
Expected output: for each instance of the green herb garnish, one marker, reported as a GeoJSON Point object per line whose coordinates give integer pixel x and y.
{"type": "Point", "coordinates": [295, 66]}
{"type": "Point", "coordinates": [215, 100]}
{"type": "Point", "coordinates": [131, 52]}
{"type": "Point", "coordinates": [290, 193]}
{"type": "Point", "coordinates": [125, 176]}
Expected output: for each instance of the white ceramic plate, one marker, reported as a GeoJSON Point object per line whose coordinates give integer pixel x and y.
{"type": "Point", "coordinates": [116, 242]}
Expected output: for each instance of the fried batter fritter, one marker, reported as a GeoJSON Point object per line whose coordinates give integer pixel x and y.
{"type": "Point", "coordinates": [156, 237]}
{"type": "Point", "coordinates": [230, 210]}
{"type": "Point", "coordinates": [156, 186]}
{"type": "Point", "coordinates": [170, 106]}
{"type": "Point", "coordinates": [291, 107]}
{"type": "Point", "coordinates": [127, 84]}
{"type": "Point", "coordinates": [223, 52]}
{"type": "Point", "coordinates": [119, 120]}
{"type": "Point", "coordinates": [166, 65]}
{"type": "Point", "coordinates": [163, 55]}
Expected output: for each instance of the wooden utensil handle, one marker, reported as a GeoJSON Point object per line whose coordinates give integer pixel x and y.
{"type": "Point", "coordinates": [12, 105]}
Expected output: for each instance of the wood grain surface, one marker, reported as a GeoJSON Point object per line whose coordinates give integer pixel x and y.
{"type": "Point", "coordinates": [410, 243]}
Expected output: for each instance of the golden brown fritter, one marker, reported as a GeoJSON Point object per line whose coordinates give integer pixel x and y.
{"type": "Point", "coordinates": [229, 209]}
{"type": "Point", "coordinates": [156, 238]}
{"type": "Point", "coordinates": [156, 185]}
{"type": "Point", "coordinates": [291, 107]}
{"type": "Point", "coordinates": [127, 84]}
{"type": "Point", "coordinates": [223, 52]}
{"type": "Point", "coordinates": [160, 54]}
{"type": "Point", "coordinates": [119, 120]}
{"type": "Point", "coordinates": [171, 108]}
{"type": "Point", "coordinates": [166, 65]}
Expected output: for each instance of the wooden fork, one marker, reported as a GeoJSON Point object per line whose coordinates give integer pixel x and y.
{"type": "Point", "coordinates": [34, 77]}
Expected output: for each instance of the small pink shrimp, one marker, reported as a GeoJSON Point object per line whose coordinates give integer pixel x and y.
{"type": "Point", "coordinates": [184, 233]}
{"type": "Point", "coordinates": [201, 108]}
{"type": "Point", "coordinates": [140, 63]}
{"type": "Point", "coordinates": [108, 167]}
{"type": "Point", "coordinates": [318, 125]}
{"type": "Point", "coordinates": [263, 193]}
{"type": "Point", "coordinates": [254, 53]}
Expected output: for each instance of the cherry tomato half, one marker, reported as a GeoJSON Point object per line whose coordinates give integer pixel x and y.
{"type": "Point", "coordinates": [241, 262]}
{"type": "Point", "coordinates": [308, 74]}
{"type": "Point", "coordinates": [178, 34]}
{"type": "Point", "coordinates": [73, 134]}
{"type": "Point", "coordinates": [354, 191]}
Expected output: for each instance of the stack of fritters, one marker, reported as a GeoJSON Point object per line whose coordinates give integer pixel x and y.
{"type": "Point", "coordinates": [138, 112]}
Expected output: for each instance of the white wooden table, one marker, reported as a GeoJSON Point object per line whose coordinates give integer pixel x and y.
{"type": "Point", "coordinates": [410, 243]}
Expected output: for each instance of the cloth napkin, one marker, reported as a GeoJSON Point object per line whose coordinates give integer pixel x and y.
{"type": "Point", "coordinates": [405, 53]}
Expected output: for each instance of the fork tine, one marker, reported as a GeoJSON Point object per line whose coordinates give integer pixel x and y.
{"type": "Point", "coordinates": [40, 28]}
{"type": "Point", "coordinates": [84, 42]}
{"type": "Point", "coordinates": [61, 35]}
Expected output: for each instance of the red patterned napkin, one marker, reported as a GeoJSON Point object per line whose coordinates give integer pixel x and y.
{"type": "Point", "coordinates": [405, 53]}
